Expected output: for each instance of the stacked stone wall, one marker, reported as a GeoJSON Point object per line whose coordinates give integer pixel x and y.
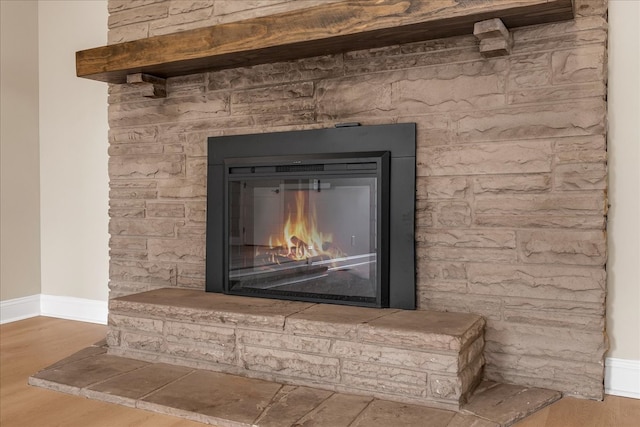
{"type": "Point", "coordinates": [512, 175]}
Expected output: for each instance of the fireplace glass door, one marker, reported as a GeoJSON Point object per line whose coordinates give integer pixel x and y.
{"type": "Point", "coordinates": [305, 231]}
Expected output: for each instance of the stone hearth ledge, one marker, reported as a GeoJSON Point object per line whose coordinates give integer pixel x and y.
{"type": "Point", "coordinates": [227, 400]}
{"type": "Point", "coordinates": [418, 357]}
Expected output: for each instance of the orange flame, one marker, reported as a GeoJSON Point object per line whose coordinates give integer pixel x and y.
{"type": "Point", "coordinates": [301, 238]}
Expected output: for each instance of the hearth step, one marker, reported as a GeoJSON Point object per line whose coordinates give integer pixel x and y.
{"type": "Point", "coordinates": [422, 357]}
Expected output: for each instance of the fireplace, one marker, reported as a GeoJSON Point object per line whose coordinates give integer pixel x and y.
{"type": "Point", "coordinates": [321, 215]}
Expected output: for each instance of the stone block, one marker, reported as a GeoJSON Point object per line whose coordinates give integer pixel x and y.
{"type": "Point", "coordinates": [453, 214]}
{"type": "Point", "coordinates": [189, 188]}
{"type": "Point", "coordinates": [382, 413]}
{"type": "Point", "coordinates": [127, 33]}
{"type": "Point", "coordinates": [144, 342]}
{"type": "Point", "coordinates": [394, 357]}
{"type": "Point", "coordinates": [519, 80]}
{"type": "Point", "coordinates": [142, 227]}
{"type": "Point", "coordinates": [581, 149]}
{"type": "Point", "coordinates": [183, 6]}
{"type": "Point", "coordinates": [291, 364]}
{"type": "Point", "coordinates": [583, 176]}
{"type": "Point", "coordinates": [425, 330]}
{"type": "Point", "coordinates": [458, 300]}
{"type": "Point", "coordinates": [549, 282]}
{"type": "Point", "coordinates": [307, 344]}
{"type": "Point", "coordinates": [164, 210]}
{"type": "Point", "coordinates": [118, 5]}
{"type": "Point", "coordinates": [520, 64]}
{"type": "Point", "coordinates": [306, 69]}
{"type": "Point", "coordinates": [141, 271]}
{"type": "Point", "coordinates": [134, 149]}
{"type": "Point", "coordinates": [570, 376]}
{"type": "Point", "coordinates": [425, 213]}
{"type": "Point", "coordinates": [443, 270]}
{"type": "Point", "coordinates": [197, 342]}
{"type": "Point", "coordinates": [196, 211]}
{"type": "Point", "coordinates": [435, 129]}
{"type": "Point", "coordinates": [565, 314]}
{"type": "Point", "coordinates": [409, 58]}
{"type": "Point", "coordinates": [130, 243]}
{"type": "Point", "coordinates": [197, 232]}
{"type": "Point", "coordinates": [381, 386]}
{"type": "Point", "coordinates": [451, 88]}
{"type": "Point", "coordinates": [139, 135]}
{"type": "Point", "coordinates": [567, 41]}
{"type": "Point", "coordinates": [480, 159]}
{"type": "Point", "coordinates": [355, 96]}
{"type": "Point", "coordinates": [273, 93]}
{"type": "Point", "coordinates": [143, 113]}
{"type": "Point", "coordinates": [565, 210]}
{"type": "Point", "coordinates": [135, 323]}
{"type": "Point", "coordinates": [291, 404]}
{"type": "Point", "coordinates": [126, 208]}
{"type": "Point", "coordinates": [557, 93]}
{"type": "Point", "coordinates": [326, 320]}
{"type": "Point", "coordinates": [551, 342]}
{"type": "Point", "coordinates": [427, 286]}
{"type": "Point", "coordinates": [302, 107]}
{"type": "Point", "coordinates": [132, 192]}
{"type": "Point", "coordinates": [196, 167]}
{"type": "Point", "coordinates": [191, 276]}
{"type": "Point", "coordinates": [525, 183]}
{"type": "Point", "coordinates": [144, 13]}
{"type": "Point", "coordinates": [467, 238]}
{"type": "Point", "coordinates": [550, 204]}
{"type": "Point", "coordinates": [563, 247]}
{"type": "Point", "coordinates": [433, 188]}
{"type": "Point", "coordinates": [507, 403]}
{"type": "Point", "coordinates": [584, 64]}
{"type": "Point", "coordinates": [339, 410]}
{"type": "Point", "coordinates": [557, 120]}
{"type": "Point", "coordinates": [179, 332]}
{"type": "Point", "coordinates": [386, 374]}
{"type": "Point", "coordinates": [436, 253]}
{"type": "Point", "coordinates": [183, 250]}
{"type": "Point", "coordinates": [590, 7]}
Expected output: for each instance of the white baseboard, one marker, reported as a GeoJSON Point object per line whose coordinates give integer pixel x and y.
{"type": "Point", "coordinates": [622, 377]}
{"type": "Point", "coordinates": [84, 310]}
{"type": "Point", "coordinates": [81, 309]}
{"type": "Point", "coordinates": [19, 308]}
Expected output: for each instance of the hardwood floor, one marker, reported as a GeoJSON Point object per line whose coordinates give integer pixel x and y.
{"type": "Point", "coordinates": [30, 345]}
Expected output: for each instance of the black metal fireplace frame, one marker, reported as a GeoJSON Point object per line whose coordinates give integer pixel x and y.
{"type": "Point", "coordinates": [398, 140]}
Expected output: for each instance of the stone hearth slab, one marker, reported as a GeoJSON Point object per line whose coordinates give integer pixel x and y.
{"type": "Point", "coordinates": [417, 357]}
{"type": "Point", "coordinates": [230, 401]}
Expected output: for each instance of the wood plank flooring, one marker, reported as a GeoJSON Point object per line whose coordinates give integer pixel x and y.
{"type": "Point", "coordinates": [30, 345]}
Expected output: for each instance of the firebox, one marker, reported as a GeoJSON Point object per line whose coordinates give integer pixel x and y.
{"type": "Point", "coordinates": [323, 215]}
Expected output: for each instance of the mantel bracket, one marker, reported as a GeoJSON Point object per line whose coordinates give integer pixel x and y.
{"type": "Point", "coordinates": [152, 86]}
{"type": "Point", "coordinates": [495, 38]}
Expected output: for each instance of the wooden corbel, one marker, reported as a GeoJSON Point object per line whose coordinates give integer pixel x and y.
{"type": "Point", "coordinates": [152, 86]}
{"type": "Point", "coordinates": [495, 38]}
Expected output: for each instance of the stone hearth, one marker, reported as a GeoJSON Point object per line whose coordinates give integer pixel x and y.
{"type": "Point", "coordinates": [423, 357]}
{"type": "Point", "coordinates": [226, 400]}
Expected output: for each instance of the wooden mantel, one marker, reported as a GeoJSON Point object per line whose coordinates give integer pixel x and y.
{"type": "Point", "coordinates": [330, 28]}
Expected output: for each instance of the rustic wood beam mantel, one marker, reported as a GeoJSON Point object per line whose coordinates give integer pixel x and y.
{"type": "Point", "coordinates": [325, 29]}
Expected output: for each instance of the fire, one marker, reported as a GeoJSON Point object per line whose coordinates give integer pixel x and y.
{"type": "Point", "coordinates": [301, 238]}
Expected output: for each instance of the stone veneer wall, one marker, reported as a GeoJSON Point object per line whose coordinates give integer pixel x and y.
{"type": "Point", "coordinates": [511, 190]}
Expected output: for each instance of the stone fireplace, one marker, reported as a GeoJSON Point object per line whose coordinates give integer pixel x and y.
{"type": "Point", "coordinates": [510, 188]}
